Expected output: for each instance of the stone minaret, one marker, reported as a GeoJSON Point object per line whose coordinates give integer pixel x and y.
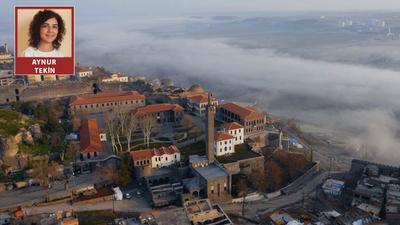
{"type": "Point", "coordinates": [210, 112]}
{"type": "Point", "coordinates": [6, 47]}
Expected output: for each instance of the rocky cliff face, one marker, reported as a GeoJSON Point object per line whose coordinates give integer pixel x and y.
{"type": "Point", "coordinates": [35, 131]}
{"type": "Point", "coordinates": [9, 145]}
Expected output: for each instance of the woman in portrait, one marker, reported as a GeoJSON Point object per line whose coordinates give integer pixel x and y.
{"type": "Point", "coordinates": [46, 32]}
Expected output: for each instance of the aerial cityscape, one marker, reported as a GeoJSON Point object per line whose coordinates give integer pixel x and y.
{"type": "Point", "coordinates": [211, 112]}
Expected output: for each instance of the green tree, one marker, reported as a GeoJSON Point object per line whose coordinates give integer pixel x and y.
{"type": "Point", "coordinates": [124, 171]}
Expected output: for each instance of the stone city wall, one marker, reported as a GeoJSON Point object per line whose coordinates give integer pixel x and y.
{"type": "Point", "coordinates": [357, 166]}
{"type": "Point", "coordinates": [245, 166]}
{"type": "Point", "coordinates": [14, 93]}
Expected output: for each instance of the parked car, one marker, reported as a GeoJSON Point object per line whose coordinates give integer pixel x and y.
{"type": "Point", "coordinates": [127, 196]}
{"type": "Point", "coordinates": [138, 194]}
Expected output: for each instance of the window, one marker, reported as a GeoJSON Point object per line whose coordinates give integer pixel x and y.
{"type": "Point", "coordinates": [97, 105]}
{"type": "Point", "coordinates": [107, 104]}
{"type": "Point", "coordinates": [102, 104]}
{"type": "Point", "coordinates": [175, 156]}
{"type": "Point", "coordinates": [220, 150]}
{"type": "Point", "coordinates": [148, 161]}
{"type": "Point", "coordinates": [230, 148]}
{"type": "Point", "coordinates": [226, 148]}
{"type": "Point", "coordinates": [137, 163]}
{"type": "Point", "coordinates": [240, 137]}
{"type": "Point", "coordinates": [166, 158]}
{"type": "Point", "coordinates": [226, 142]}
{"type": "Point", "coordinates": [91, 106]}
{"type": "Point", "coordinates": [86, 106]}
{"type": "Point", "coordinates": [95, 154]}
{"type": "Point", "coordinates": [156, 159]}
{"type": "Point", "coordinates": [131, 102]}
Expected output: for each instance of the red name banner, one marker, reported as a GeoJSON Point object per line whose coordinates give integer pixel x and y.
{"type": "Point", "coordinates": [44, 66]}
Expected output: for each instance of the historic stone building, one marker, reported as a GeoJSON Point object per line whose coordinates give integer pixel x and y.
{"type": "Point", "coordinates": [224, 144]}
{"type": "Point", "coordinates": [162, 113]}
{"type": "Point", "coordinates": [82, 72]}
{"type": "Point", "coordinates": [197, 104]}
{"type": "Point", "coordinates": [102, 103]}
{"type": "Point", "coordinates": [236, 130]}
{"type": "Point", "coordinates": [252, 121]}
{"type": "Point", "coordinates": [90, 140]}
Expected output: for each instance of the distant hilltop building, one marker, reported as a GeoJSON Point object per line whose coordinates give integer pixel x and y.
{"type": "Point", "coordinates": [81, 72]}
{"type": "Point", "coordinates": [377, 23]}
{"type": "Point", "coordinates": [109, 76]}
{"type": "Point", "coordinates": [5, 57]}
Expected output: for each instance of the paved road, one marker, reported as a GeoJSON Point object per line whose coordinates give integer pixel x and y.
{"type": "Point", "coordinates": [32, 194]}
{"type": "Point", "coordinates": [253, 209]}
{"type": "Point", "coordinates": [126, 205]}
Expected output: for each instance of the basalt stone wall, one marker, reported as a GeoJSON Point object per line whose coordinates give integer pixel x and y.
{"type": "Point", "coordinates": [357, 166]}
{"type": "Point", "coordinates": [14, 93]}
{"type": "Point", "coordinates": [245, 166]}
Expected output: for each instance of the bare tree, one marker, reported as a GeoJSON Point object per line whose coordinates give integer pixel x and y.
{"type": "Point", "coordinates": [107, 174]}
{"type": "Point", "coordinates": [111, 124]}
{"type": "Point", "coordinates": [75, 123]}
{"type": "Point", "coordinates": [196, 130]}
{"type": "Point", "coordinates": [148, 125]}
{"type": "Point", "coordinates": [45, 171]}
{"type": "Point", "coordinates": [130, 127]}
{"type": "Point", "coordinates": [187, 122]}
{"type": "Point", "coordinates": [72, 150]}
{"type": "Point", "coordinates": [259, 180]}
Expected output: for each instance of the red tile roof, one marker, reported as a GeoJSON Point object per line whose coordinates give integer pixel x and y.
{"type": "Point", "coordinates": [81, 69]}
{"type": "Point", "coordinates": [243, 112]}
{"type": "Point", "coordinates": [156, 108]}
{"type": "Point", "coordinates": [164, 150]}
{"type": "Point", "coordinates": [141, 154]}
{"type": "Point", "coordinates": [148, 153]}
{"type": "Point", "coordinates": [90, 138]}
{"type": "Point", "coordinates": [71, 221]}
{"type": "Point", "coordinates": [231, 126]}
{"type": "Point", "coordinates": [223, 136]}
{"type": "Point", "coordinates": [201, 99]}
{"type": "Point", "coordinates": [106, 97]}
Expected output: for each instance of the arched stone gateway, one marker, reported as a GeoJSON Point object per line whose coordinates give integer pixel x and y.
{"type": "Point", "coordinates": [166, 180]}
{"type": "Point", "coordinates": [161, 181]}
{"type": "Point", "coordinates": [195, 194]}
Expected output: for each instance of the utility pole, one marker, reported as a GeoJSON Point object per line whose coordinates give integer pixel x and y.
{"type": "Point", "coordinates": [244, 199]}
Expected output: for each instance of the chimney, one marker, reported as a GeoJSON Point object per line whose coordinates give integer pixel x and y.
{"type": "Point", "coordinates": [210, 112]}
{"type": "Point", "coordinates": [6, 47]}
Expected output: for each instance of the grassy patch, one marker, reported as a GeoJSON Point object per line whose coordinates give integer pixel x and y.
{"type": "Point", "coordinates": [178, 136]}
{"type": "Point", "coordinates": [217, 123]}
{"type": "Point", "coordinates": [10, 123]}
{"type": "Point", "coordinates": [177, 126]}
{"type": "Point", "coordinates": [96, 217]}
{"type": "Point", "coordinates": [241, 152]}
{"type": "Point", "coordinates": [183, 130]}
{"type": "Point", "coordinates": [198, 148]}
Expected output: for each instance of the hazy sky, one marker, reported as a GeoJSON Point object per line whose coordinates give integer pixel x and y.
{"type": "Point", "coordinates": [208, 6]}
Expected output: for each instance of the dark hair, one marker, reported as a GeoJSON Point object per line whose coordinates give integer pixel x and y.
{"type": "Point", "coordinates": [37, 21]}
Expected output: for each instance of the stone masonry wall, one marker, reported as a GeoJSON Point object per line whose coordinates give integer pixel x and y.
{"type": "Point", "coordinates": [245, 166]}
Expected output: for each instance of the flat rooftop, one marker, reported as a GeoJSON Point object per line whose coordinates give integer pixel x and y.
{"type": "Point", "coordinates": [197, 159]}
{"type": "Point", "coordinates": [335, 185]}
{"type": "Point", "coordinates": [369, 208]}
{"type": "Point", "coordinates": [211, 171]}
{"type": "Point", "coordinates": [384, 179]}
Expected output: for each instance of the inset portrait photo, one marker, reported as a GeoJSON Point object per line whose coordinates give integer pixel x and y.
{"type": "Point", "coordinates": [44, 40]}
